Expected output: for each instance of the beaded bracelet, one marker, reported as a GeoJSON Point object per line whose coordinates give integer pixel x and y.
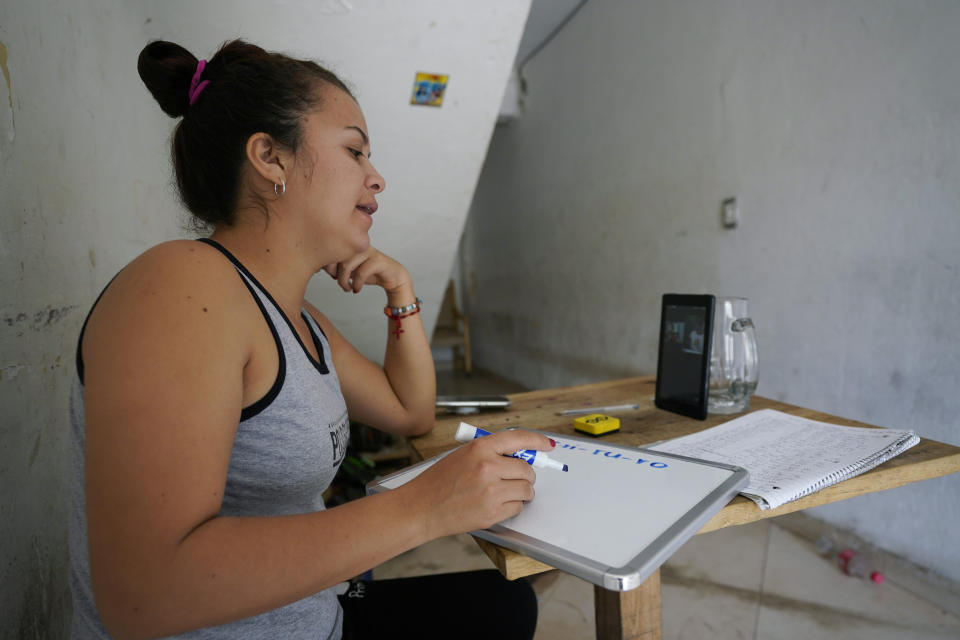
{"type": "Point", "coordinates": [399, 313]}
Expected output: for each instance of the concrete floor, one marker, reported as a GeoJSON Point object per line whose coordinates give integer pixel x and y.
{"type": "Point", "coordinates": [762, 581]}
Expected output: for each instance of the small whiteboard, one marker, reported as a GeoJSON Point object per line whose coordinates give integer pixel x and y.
{"type": "Point", "coordinates": [617, 515]}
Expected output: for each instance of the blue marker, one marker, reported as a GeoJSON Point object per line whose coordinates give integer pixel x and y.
{"type": "Point", "coordinates": [537, 459]}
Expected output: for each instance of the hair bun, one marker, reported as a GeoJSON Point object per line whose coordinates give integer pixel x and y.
{"type": "Point", "coordinates": [166, 69]}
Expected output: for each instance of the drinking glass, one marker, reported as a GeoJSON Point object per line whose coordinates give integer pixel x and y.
{"type": "Point", "coordinates": [733, 357]}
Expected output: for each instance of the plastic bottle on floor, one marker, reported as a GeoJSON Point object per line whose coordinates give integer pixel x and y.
{"type": "Point", "coordinates": [860, 564]}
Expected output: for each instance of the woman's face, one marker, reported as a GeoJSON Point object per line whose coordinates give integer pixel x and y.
{"type": "Point", "coordinates": [333, 182]}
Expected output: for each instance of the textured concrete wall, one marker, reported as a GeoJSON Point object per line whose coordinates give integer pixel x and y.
{"type": "Point", "coordinates": [837, 127]}
{"type": "Point", "coordinates": [81, 187]}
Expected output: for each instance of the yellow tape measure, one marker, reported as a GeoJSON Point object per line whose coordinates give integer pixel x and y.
{"type": "Point", "coordinates": [596, 424]}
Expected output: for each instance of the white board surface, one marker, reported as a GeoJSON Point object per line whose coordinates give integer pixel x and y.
{"type": "Point", "coordinates": [613, 503]}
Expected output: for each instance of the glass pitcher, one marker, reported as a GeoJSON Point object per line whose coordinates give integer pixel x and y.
{"type": "Point", "coordinates": [733, 358]}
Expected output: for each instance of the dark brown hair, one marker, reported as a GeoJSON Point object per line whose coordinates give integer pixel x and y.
{"type": "Point", "coordinates": [250, 90]}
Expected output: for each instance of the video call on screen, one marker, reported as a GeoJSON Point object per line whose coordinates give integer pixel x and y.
{"type": "Point", "coordinates": [683, 353]}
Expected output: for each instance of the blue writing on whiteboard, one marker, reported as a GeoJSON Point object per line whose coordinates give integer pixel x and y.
{"type": "Point", "coordinates": [613, 455]}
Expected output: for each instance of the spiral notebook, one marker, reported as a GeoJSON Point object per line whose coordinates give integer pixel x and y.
{"type": "Point", "coordinates": [789, 457]}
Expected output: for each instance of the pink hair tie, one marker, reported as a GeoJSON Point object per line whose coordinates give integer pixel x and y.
{"type": "Point", "coordinates": [195, 85]}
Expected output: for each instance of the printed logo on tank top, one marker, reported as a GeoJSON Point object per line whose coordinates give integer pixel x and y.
{"type": "Point", "coordinates": [339, 438]}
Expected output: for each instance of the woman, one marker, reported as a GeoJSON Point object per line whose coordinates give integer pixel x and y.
{"type": "Point", "coordinates": [211, 404]}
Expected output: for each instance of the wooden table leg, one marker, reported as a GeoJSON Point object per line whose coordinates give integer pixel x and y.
{"type": "Point", "coordinates": [630, 615]}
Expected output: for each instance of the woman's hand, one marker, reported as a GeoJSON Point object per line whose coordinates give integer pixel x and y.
{"type": "Point", "coordinates": [370, 267]}
{"type": "Point", "coordinates": [399, 396]}
{"type": "Point", "coordinates": [477, 486]}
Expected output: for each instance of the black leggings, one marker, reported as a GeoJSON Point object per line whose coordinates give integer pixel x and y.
{"type": "Point", "coordinates": [472, 604]}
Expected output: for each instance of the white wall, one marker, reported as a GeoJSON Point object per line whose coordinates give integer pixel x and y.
{"type": "Point", "coordinates": [85, 186]}
{"type": "Point", "coordinates": [835, 124]}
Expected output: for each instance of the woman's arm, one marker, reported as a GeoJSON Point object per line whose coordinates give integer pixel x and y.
{"type": "Point", "coordinates": [400, 397]}
{"type": "Point", "coordinates": [166, 355]}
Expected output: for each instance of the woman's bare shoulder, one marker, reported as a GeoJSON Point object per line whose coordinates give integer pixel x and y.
{"type": "Point", "coordinates": [180, 285]}
{"type": "Point", "coordinates": [181, 256]}
{"type": "Point", "coordinates": [176, 266]}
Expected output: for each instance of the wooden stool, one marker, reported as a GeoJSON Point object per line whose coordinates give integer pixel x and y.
{"type": "Point", "coordinates": [453, 329]}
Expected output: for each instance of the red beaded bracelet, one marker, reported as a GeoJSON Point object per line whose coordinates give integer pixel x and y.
{"type": "Point", "coordinates": [399, 313]}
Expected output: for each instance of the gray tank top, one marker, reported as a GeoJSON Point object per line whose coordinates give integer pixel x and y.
{"type": "Point", "coordinates": [287, 449]}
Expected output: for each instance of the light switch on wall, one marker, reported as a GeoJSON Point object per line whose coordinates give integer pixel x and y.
{"type": "Point", "coordinates": [730, 213]}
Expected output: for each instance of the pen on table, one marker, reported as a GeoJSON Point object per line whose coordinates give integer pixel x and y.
{"type": "Point", "coordinates": [619, 407]}
{"type": "Point", "coordinates": [537, 459]}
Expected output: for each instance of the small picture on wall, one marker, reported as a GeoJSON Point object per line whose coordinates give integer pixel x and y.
{"type": "Point", "coordinates": [428, 89]}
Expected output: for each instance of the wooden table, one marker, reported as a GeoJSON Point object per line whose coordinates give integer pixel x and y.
{"type": "Point", "coordinates": [636, 614]}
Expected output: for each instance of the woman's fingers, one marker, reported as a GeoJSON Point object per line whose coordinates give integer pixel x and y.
{"type": "Point", "coordinates": [353, 273]}
{"type": "Point", "coordinates": [364, 274]}
{"type": "Point", "coordinates": [518, 491]}
{"type": "Point", "coordinates": [346, 276]}
{"type": "Point", "coordinates": [368, 267]}
{"type": "Point", "coordinates": [512, 440]}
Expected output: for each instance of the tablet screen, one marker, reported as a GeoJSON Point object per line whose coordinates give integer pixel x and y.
{"type": "Point", "coordinates": [683, 365]}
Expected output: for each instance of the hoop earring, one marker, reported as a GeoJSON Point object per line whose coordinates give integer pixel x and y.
{"type": "Point", "coordinates": [282, 188]}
